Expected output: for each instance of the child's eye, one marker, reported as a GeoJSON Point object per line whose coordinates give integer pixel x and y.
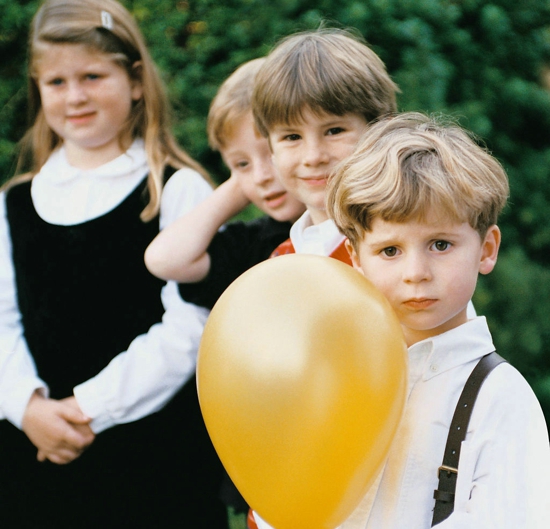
{"type": "Point", "coordinates": [92, 76]}
{"type": "Point", "coordinates": [390, 251]}
{"type": "Point", "coordinates": [334, 130]}
{"type": "Point", "coordinates": [441, 246]}
{"type": "Point", "coordinates": [55, 82]}
{"type": "Point", "coordinates": [292, 137]}
{"type": "Point", "coordinates": [238, 165]}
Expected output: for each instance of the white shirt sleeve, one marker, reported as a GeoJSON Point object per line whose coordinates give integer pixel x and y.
{"type": "Point", "coordinates": [141, 380]}
{"type": "Point", "coordinates": [18, 377]}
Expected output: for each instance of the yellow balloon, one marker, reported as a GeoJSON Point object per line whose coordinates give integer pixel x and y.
{"type": "Point", "coordinates": [302, 378]}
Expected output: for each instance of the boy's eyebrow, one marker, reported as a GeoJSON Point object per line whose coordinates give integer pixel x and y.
{"type": "Point", "coordinates": [288, 127]}
{"type": "Point", "coordinates": [285, 127]}
{"type": "Point", "coordinates": [390, 240]}
{"type": "Point", "coordinates": [236, 153]}
{"type": "Point", "coordinates": [334, 119]}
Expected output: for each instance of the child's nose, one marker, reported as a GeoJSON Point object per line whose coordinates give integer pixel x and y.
{"type": "Point", "coordinates": [416, 269]}
{"type": "Point", "coordinates": [315, 153]}
{"type": "Point", "coordinates": [76, 93]}
{"type": "Point", "coordinates": [263, 173]}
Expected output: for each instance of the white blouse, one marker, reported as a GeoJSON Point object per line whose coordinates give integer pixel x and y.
{"type": "Point", "coordinates": [140, 380]}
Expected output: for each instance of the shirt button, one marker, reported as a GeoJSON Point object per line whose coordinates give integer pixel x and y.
{"type": "Point", "coordinates": [434, 368]}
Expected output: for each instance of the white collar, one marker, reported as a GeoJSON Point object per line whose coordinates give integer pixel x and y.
{"type": "Point", "coordinates": [316, 239]}
{"type": "Point", "coordinates": [65, 195]}
{"type": "Point", "coordinates": [57, 169]}
{"type": "Point", "coordinates": [463, 344]}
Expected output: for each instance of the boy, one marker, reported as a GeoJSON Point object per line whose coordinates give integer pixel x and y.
{"type": "Point", "coordinates": [191, 250]}
{"type": "Point", "coordinates": [313, 98]}
{"type": "Point", "coordinates": [418, 201]}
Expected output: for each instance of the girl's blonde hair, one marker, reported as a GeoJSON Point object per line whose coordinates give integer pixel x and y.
{"type": "Point", "coordinates": [232, 102]}
{"type": "Point", "coordinates": [107, 27]}
{"type": "Point", "coordinates": [327, 70]}
{"type": "Point", "coordinates": [409, 164]}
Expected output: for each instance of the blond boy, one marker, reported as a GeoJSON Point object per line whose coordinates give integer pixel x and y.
{"type": "Point", "coordinates": [419, 201]}
{"type": "Point", "coordinates": [312, 99]}
{"type": "Point", "coordinates": [192, 250]}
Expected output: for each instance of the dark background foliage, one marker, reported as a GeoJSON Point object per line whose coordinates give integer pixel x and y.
{"type": "Point", "coordinates": [485, 62]}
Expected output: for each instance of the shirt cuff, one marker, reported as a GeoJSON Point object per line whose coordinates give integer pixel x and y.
{"type": "Point", "coordinates": [14, 409]}
{"type": "Point", "coordinates": [86, 398]}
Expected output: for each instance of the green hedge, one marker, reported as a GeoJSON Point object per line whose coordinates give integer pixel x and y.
{"type": "Point", "coordinates": [484, 62]}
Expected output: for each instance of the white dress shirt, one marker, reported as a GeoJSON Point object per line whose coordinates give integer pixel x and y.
{"type": "Point", "coordinates": [140, 380]}
{"type": "Point", "coordinates": [504, 469]}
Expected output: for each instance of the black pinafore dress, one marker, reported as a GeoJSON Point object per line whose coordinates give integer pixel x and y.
{"type": "Point", "coordinates": [84, 294]}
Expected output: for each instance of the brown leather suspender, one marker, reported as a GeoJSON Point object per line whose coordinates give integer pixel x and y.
{"type": "Point", "coordinates": [445, 493]}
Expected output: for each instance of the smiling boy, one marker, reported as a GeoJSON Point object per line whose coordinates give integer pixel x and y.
{"type": "Point", "coordinates": [418, 201]}
{"type": "Point", "coordinates": [313, 98]}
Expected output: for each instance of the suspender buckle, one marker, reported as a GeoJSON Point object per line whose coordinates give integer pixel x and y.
{"type": "Point", "coordinates": [447, 469]}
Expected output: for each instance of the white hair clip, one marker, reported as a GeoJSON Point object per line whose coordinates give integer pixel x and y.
{"type": "Point", "coordinates": [106, 20]}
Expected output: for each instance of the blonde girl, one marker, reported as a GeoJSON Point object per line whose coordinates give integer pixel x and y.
{"type": "Point", "coordinates": [89, 340]}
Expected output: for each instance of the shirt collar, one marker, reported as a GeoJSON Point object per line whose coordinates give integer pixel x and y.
{"type": "Point", "coordinates": [57, 169]}
{"type": "Point", "coordinates": [463, 344]}
{"type": "Point", "coordinates": [316, 239]}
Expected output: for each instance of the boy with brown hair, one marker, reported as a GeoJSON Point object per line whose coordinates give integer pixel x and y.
{"type": "Point", "coordinates": [313, 98]}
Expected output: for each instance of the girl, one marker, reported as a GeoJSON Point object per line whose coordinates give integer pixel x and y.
{"type": "Point", "coordinates": [89, 339]}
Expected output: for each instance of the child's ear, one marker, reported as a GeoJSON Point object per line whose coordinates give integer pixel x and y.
{"type": "Point", "coordinates": [489, 250]}
{"type": "Point", "coordinates": [354, 256]}
{"type": "Point", "coordinates": [136, 81]}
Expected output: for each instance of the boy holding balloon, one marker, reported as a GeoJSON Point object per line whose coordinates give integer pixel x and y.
{"type": "Point", "coordinates": [418, 201]}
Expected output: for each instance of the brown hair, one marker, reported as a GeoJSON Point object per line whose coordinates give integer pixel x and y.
{"type": "Point", "coordinates": [408, 164]}
{"type": "Point", "coordinates": [80, 22]}
{"type": "Point", "coordinates": [326, 70]}
{"type": "Point", "coordinates": [231, 103]}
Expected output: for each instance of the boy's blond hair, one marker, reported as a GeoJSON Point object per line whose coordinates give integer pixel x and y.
{"type": "Point", "coordinates": [105, 27]}
{"type": "Point", "coordinates": [328, 71]}
{"type": "Point", "coordinates": [409, 164]}
{"type": "Point", "coordinates": [231, 103]}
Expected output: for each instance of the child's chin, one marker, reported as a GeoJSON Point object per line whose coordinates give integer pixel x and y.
{"type": "Point", "coordinates": [280, 218]}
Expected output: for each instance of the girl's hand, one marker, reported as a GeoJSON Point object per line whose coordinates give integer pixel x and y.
{"type": "Point", "coordinates": [59, 430]}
